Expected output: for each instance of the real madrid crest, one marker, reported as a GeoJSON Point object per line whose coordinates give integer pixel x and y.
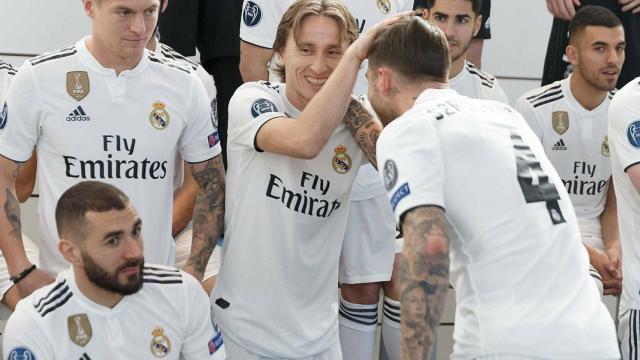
{"type": "Point", "coordinates": [79, 329]}
{"type": "Point", "coordinates": [160, 344]}
{"type": "Point", "coordinates": [560, 121]}
{"type": "Point", "coordinates": [78, 84]}
{"type": "Point", "coordinates": [341, 161]}
{"type": "Point", "coordinates": [159, 117]}
{"type": "Point", "coordinates": [605, 146]}
{"type": "Point", "coordinates": [384, 6]}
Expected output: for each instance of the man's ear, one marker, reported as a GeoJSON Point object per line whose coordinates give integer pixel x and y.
{"type": "Point", "coordinates": [477, 25]}
{"type": "Point", "coordinates": [385, 81]}
{"type": "Point", "coordinates": [89, 7]}
{"type": "Point", "coordinates": [572, 54]}
{"type": "Point", "coordinates": [70, 251]}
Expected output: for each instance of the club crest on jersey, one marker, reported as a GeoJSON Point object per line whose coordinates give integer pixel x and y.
{"type": "Point", "coordinates": [4, 116]}
{"type": "Point", "coordinates": [159, 117]}
{"type": "Point", "coordinates": [341, 161]}
{"type": "Point", "coordinates": [384, 6]}
{"type": "Point", "coordinates": [21, 353]}
{"type": "Point", "coordinates": [79, 329]}
{"type": "Point", "coordinates": [633, 134]}
{"type": "Point", "coordinates": [560, 121]}
{"type": "Point", "coordinates": [160, 344]}
{"type": "Point", "coordinates": [605, 146]}
{"type": "Point", "coordinates": [262, 106]}
{"type": "Point", "coordinates": [252, 14]}
{"type": "Point", "coordinates": [78, 84]}
{"type": "Point", "coordinates": [390, 174]}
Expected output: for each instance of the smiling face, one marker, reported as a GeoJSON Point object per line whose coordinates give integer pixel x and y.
{"type": "Point", "coordinates": [458, 22]}
{"type": "Point", "coordinates": [310, 57]}
{"type": "Point", "coordinates": [597, 54]}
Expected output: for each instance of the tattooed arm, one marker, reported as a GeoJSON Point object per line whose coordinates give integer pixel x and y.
{"type": "Point", "coordinates": [26, 180]}
{"type": "Point", "coordinates": [364, 127]}
{"type": "Point", "coordinates": [424, 279]}
{"type": "Point", "coordinates": [11, 231]}
{"type": "Point", "coordinates": [208, 214]}
{"type": "Point", "coordinates": [184, 199]}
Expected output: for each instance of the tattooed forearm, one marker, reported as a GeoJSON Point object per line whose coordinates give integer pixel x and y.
{"type": "Point", "coordinates": [364, 127]}
{"type": "Point", "coordinates": [12, 212]}
{"type": "Point", "coordinates": [208, 214]}
{"type": "Point", "coordinates": [424, 279]}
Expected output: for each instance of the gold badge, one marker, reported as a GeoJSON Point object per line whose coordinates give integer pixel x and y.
{"type": "Point", "coordinates": [159, 117]}
{"type": "Point", "coordinates": [560, 121]}
{"type": "Point", "coordinates": [79, 329]}
{"type": "Point", "coordinates": [78, 84]}
{"type": "Point", "coordinates": [384, 6]}
{"type": "Point", "coordinates": [341, 160]}
{"type": "Point", "coordinates": [605, 146]}
{"type": "Point", "coordinates": [160, 344]}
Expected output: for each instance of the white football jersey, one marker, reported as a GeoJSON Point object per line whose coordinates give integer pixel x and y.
{"type": "Point", "coordinates": [477, 84]}
{"type": "Point", "coordinates": [285, 218]}
{"type": "Point", "coordinates": [90, 124]}
{"type": "Point", "coordinates": [260, 19]}
{"type": "Point", "coordinates": [168, 318]}
{"type": "Point", "coordinates": [575, 140]}
{"type": "Point", "coordinates": [624, 135]}
{"type": "Point", "coordinates": [517, 263]}
{"type": "Point", "coordinates": [7, 72]}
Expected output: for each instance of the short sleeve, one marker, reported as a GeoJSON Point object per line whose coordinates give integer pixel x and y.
{"type": "Point", "coordinates": [411, 165]}
{"type": "Point", "coordinates": [624, 126]}
{"type": "Point", "coordinates": [20, 117]}
{"type": "Point", "coordinates": [250, 107]}
{"type": "Point", "coordinates": [524, 107]}
{"type": "Point", "coordinates": [260, 19]}
{"type": "Point", "coordinates": [202, 340]}
{"type": "Point", "coordinates": [498, 93]}
{"type": "Point", "coordinates": [200, 140]}
{"type": "Point", "coordinates": [24, 338]}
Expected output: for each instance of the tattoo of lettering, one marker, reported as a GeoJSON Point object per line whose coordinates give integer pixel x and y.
{"type": "Point", "coordinates": [424, 279]}
{"type": "Point", "coordinates": [19, 166]}
{"type": "Point", "coordinates": [208, 214]}
{"type": "Point", "coordinates": [12, 212]}
{"type": "Point", "coordinates": [364, 127]}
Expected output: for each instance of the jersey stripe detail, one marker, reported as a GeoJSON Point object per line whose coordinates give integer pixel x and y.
{"type": "Point", "coordinates": [548, 101]}
{"type": "Point", "coordinates": [391, 311]}
{"type": "Point", "coordinates": [172, 54]}
{"type": "Point", "coordinates": [64, 301]}
{"type": "Point", "coordinates": [485, 79]}
{"type": "Point", "coordinates": [153, 281]}
{"type": "Point", "coordinates": [5, 66]}
{"type": "Point", "coordinates": [359, 319]}
{"type": "Point", "coordinates": [84, 357]}
{"type": "Point", "coordinates": [53, 298]}
{"type": "Point", "coordinates": [166, 63]}
{"type": "Point", "coordinates": [60, 284]}
{"type": "Point", "coordinates": [633, 333]}
{"type": "Point", "coordinates": [158, 275]}
{"type": "Point", "coordinates": [53, 56]}
{"type": "Point", "coordinates": [550, 89]}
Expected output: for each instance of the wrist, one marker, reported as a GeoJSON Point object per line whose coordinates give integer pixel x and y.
{"type": "Point", "coordinates": [23, 274]}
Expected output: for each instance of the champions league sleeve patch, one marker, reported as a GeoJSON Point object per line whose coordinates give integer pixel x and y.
{"type": "Point", "coordinates": [262, 106]}
{"type": "Point", "coordinates": [215, 343]}
{"type": "Point", "coordinates": [21, 353]}
{"type": "Point", "coordinates": [213, 139]}
{"type": "Point", "coordinates": [390, 174]}
{"type": "Point", "coordinates": [4, 116]}
{"type": "Point", "coordinates": [633, 134]}
{"type": "Point", "coordinates": [252, 14]}
{"type": "Point", "coordinates": [400, 194]}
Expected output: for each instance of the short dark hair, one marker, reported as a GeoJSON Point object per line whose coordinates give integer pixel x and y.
{"type": "Point", "coordinates": [413, 48]}
{"type": "Point", "coordinates": [84, 197]}
{"type": "Point", "coordinates": [476, 5]}
{"type": "Point", "coordinates": [592, 15]}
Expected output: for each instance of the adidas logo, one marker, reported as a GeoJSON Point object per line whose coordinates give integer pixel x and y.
{"type": "Point", "coordinates": [559, 146]}
{"type": "Point", "coordinates": [78, 115]}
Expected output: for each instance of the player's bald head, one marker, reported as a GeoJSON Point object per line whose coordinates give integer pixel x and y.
{"type": "Point", "coordinates": [81, 198]}
{"type": "Point", "coordinates": [413, 48]}
{"type": "Point", "coordinates": [591, 16]}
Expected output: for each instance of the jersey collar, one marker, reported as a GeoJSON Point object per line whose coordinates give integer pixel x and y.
{"type": "Point", "coordinates": [461, 75]}
{"type": "Point", "coordinates": [565, 85]}
{"type": "Point", "coordinates": [91, 62]}
{"type": "Point", "coordinates": [93, 307]}
{"type": "Point", "coordinates": [429, 95]}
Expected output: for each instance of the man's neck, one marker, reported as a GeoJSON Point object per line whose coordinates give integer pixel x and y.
{"type": "Point", "coordinates": [93, 292]}
{"type": "Point", "coordinates": [585, 94]}
{"type": "Point", "coordinates": [109, 59]}
{"type": "Point", "coordinates": [457, 66]}
{"type": "Point", "coordinates": [408, 96]}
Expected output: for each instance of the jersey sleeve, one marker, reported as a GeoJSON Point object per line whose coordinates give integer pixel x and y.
{"type": "Point", "coordinates": [20, 117]}
{"type": "Point", "coordinates": [200, 140]}
{"type": "Point", "coordinates": [250, 107]}
{"type": "Point", "coordinates": [530, 116]}
{"type": "Point", "coordinates": [498, 93]}
{"type": "Point", "coordinates": [624, 129]}
{"type": "Point", "coordinates": [24, 337]}
{"type": "Point", "coordinates": [202, 339]}
{"type": "Point", "coordinates": [260, 19]}
{"type": "Point", "coordinates": [411, 165]}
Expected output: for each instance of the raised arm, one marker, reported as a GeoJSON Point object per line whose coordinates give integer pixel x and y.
{"type": "Point", "coordinates": [364, 127]}
{"type": "Point", "coordinates": [424, 279]}
{"type": "Point", "coordinates": [208, 213]}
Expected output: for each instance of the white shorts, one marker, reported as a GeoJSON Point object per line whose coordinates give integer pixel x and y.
{"type": "Point", "coordinates": [237, 352]}
{"type": "Point", "coordinates": [368, 249]}
{"type": "Point", "coordinates": [183, 249]}
{"type": "Point", "coordinates": [591, 233]}
{"type": "Point", "coordinates": [629, 334]}
{"type": "Point", "coordinates": [32, 254]}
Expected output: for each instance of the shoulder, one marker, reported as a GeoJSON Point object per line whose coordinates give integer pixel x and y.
{"type": "Point", "coordinates": [53, 56]}
{"type": "Point", "coordinates": [626, 103]}
{"type": "Point", "coordinates": [169, 65]}
{"type": "Point", "coordinates": [49, 299]}
{"type": "Point", "coordinates": [259, 89]}
{"type": "Point", "coordinates": [542, 96]}
{"type": "Point", "coordinates": [155, 274]}
{"type": "Point", "coordinates": [6, 68]}
{"type": "Point", "coordinates": [169, 53]}
{"type": "Point", "coordinates": [486, 80]}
